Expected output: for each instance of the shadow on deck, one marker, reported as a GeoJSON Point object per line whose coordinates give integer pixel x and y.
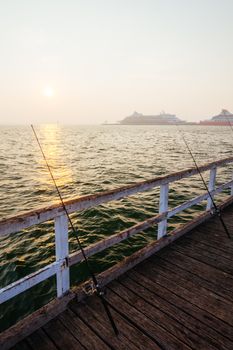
{"type": "Point", "coordinates": [180, 298]}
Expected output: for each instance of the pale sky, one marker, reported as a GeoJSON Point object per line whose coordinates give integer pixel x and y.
{"type": "Point", "coordinates": [86, 61]}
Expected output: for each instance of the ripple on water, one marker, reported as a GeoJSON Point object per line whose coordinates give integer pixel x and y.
{"type": "Point", "coordinates": [87, 160]}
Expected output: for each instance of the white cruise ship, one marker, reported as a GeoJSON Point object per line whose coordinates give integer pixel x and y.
{"type": "Point", "coordinates": [160, 119]}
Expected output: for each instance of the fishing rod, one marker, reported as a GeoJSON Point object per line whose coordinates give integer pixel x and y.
{"type": "Point", "coordinates": [216, 209]}
{"type": "Point", "coordinates": [229, 122]}
{"type": "Point", "coordinates": [98, 290]}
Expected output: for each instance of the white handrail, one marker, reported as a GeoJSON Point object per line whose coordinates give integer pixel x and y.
{"type": "Point", "coordinates": [35, 217]}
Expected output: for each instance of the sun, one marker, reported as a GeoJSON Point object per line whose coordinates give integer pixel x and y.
{"type": "Point", "coordinates": [48, 91]}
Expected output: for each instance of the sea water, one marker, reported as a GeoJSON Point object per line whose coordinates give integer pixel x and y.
{"type": "Point", "coordinates": [89, 160]}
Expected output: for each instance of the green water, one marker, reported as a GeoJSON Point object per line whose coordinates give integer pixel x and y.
{"type": "Point", "coordinates": [87, 160]}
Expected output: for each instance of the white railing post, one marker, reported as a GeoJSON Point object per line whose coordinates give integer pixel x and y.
{"type": "Point", "coordinates": [211, 187]}
{"type": "Point", "coordinates": [232, 186]}
{"type": "Point", "coordinates": [62, 252]}
{"type": "Point", "coordinates": [163, 207]}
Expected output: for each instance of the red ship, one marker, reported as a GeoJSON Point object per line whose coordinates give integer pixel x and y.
{"type": "Point", "coordinates": [225, 118]}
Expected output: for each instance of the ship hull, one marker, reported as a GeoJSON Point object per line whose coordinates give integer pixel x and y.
{"type": "Point", "coordinates": [223, 123]}
{"type": "Point", "coordinates": [157, 123]}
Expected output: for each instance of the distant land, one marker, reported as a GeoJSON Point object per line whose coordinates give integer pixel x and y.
{"type": "Point", "coordinates": [224, 118]}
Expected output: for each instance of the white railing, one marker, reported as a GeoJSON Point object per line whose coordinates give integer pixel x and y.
{"type": "Point", "coordinates": [64, 260]}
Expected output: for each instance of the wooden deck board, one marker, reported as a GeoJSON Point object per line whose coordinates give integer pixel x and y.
{"type": "Point", "coordinates": [205, 256]}
{"type": "Point", "coordinates": [180, 298]}
{"type": "Point", "coordinates": [214, 238]}
{"type": "Point", "coordinates": [61, 336]}
{"type": "Point", "coordinates": [214, 250]}
{"type": "Point", "coordinates": [189, 314]}
{"type": "Point", "coordinates": [203, 270]}
{"type": "Point", "coordinates": [23, 345]}
{"type": "Point", "coordinates": [152, 328]}
{"type": "Point", "coordinates": [197, 277]}
{"type": "Point", "coordinates": [39, 340]}
{"type": "Point", "coordinates": [139, 298]}
{"type": "Point", "coordinates": [198, 296]}
{"type": "Point", "coordinates": [81, 331]}
{"type": "Point", "coordinates": [184, 326]}
{"type": "Point", "coordinates": [132, 333]}
{"type": "Point", "coordinates": [100, 326]}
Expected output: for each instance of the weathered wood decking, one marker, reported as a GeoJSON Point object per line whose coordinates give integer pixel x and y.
{"type": "Point", "coordinates": [180, 298]}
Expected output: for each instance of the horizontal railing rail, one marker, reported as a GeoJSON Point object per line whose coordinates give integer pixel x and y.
{"type": "Point", "coordinates": [64, 260]}
{"type": "Point", "coordinates": [35, 217]}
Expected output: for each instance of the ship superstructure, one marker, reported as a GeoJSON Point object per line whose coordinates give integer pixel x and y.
{"type": "Point", "coordinates": [160, 119]}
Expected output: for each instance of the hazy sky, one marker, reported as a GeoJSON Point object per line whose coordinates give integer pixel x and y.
{"type": "Point", "coordinates": [103, 59]}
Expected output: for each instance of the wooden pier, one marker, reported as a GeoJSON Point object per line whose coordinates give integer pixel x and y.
{"type": "Point", "coordinates": [175, 293]}
{"type": "Point", "coordinates": [180, 298]}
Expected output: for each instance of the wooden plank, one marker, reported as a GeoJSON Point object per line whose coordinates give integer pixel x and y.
{"type": "Point", "coordinates": [199, 279]}
{"type": "Point", "coordinates": [205, 300]}
{"type": "Point", "coordinates": [61, 336]}
{"type": "Point", "coordinates": [40, 341]}
{"type": "Point", "coordinates": [184, 311]}
{"type": "Point", "coordinates": [81, 331]}
{"type": "Point", "coordinates": [142, 300]}
{"type": "Point", "coordinates": [213, 250]}
{"type": "Point", "coordinates": [215, 224]}
{"type": "Point", "coordinates": [223, 248]}
{"type": "Point", "coordinates": [35, 217]}
{"type": "Point", "coordinates": [21, 346]}
{"type": "Point", "coordinates": [192, 330]}
{"type": "Point", "coordinates": [217, 236]}
{"type": "Point", "coordinates": [188, 306]}
{"type": "Point", "coordinates": [218, 230]}
{"type": "Point", "coordinates": [98, 326]}
{"type": "Point", "coordinates": [216, 227]}
{"type": "Point", "coordinates": [201, 269]}
{"type": "Point", "coordinates": [212, 241]}
{"type": "Point", "coordinates": [155, 331]}
{"type": "Point", "coordinates": [132, 333]}
{"type": "Point", "coordinates": [197, 283]}
{"type": "Point", "coordinates": [227, 216]}
{"type": "Point", "coordinates": [31, 323]}
{"type": "Point", "coordinates": [207, 245]}
{"type": "Point", "coordinates": [206, 257]}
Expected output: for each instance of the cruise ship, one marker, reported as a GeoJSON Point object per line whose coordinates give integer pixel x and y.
{"type": "Point", "coordinates": [224, 118]}
{"type": "Point", "coordinates": [161, 119]}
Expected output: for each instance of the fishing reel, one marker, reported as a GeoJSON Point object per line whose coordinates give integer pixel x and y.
{"type": "Point", "coordinates": [90, 289]}
{"type": "Point", "coordinates": [215, 211]}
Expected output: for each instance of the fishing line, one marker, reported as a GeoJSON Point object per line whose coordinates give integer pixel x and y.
{"type": "Point", "coordinates": [229, 122]}
{"type": "Point", "coordinates": [216, 209]}
{"type": "Point", "coordinates": [98, 290]}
